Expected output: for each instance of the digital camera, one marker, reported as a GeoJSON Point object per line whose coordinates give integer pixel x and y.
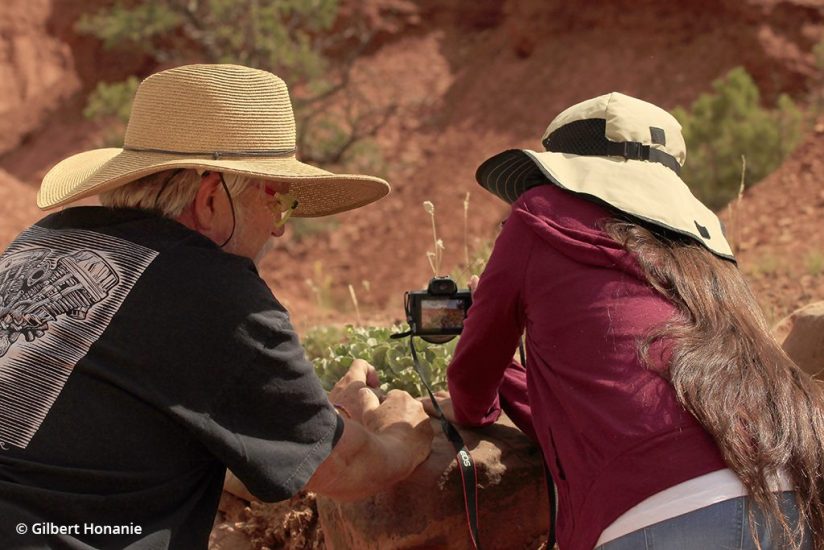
{"type": "Point", "coordinates": [437, 313]}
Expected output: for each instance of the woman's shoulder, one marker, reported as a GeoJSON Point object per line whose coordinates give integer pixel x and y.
{"type": "Point", "coordinates": [572, 224]}
{"type": "Point", "coordinates": [553, 201]}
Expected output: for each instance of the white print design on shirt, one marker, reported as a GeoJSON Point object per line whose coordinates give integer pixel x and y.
{"type": "Point", "coordinates": [59, 290]}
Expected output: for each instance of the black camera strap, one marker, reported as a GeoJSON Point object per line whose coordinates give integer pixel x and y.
{"type": "Point", "coordinates": [469, 474]}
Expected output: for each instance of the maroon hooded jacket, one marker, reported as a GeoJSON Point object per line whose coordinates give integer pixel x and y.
{"type": "Point", "coordinates": [611, 428]}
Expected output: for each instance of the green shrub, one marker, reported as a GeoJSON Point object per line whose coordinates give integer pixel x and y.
{"type": "Point", "coordinates": [730, 122]}
{"type": "Point", "coordinates": [816, 101]}
{"type": "Point", "coordinates": [130, 25]}
{"type": "Point", "coordinates": [814, 261]}
{"type": "Point", "coordinates": [818, 56]}
{"type": "Point", "coordinates": [112, 100]}
{"type": "Point", "coordinates": [292, 38]}
{"type": "Point", "coordinates": [332, 354]}
{"type": "Point", "coordinates": [319, 339]}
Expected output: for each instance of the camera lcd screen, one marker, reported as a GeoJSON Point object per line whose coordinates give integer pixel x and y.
{"type": "Point", "coordinates": [442, 313]}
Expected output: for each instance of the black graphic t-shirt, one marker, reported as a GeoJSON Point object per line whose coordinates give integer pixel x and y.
{"type": "Point", "coordinates": [137, 362]}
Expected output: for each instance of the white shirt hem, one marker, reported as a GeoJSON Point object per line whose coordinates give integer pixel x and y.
{"type": "Point", "coordinates": [683, 498]}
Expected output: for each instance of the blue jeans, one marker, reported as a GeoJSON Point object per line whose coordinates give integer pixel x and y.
{"type": "Point", "coordinates": [721, 526]}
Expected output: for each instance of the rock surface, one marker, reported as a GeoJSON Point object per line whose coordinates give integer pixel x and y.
{"type": "Point", "coordinates": [427, 511]}
{"type": "Point", "coordinates": [288, 525]}
{"type": "Point", "coordinates": [801, 334]}
{"type": "Point", "coordinates": [227, 530]}
{"type": "Point", "coordinates": [37, 70]}
{"type": "Point", "coordinates": [19, 207]}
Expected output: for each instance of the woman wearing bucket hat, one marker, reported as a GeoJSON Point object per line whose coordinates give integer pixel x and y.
{"type": "Point", "coordinates": [152, 354]}
{"type": "Point", "coordinates": [667, 414]}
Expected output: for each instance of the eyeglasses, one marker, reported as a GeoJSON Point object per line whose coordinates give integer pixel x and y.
{"type": "Point", "coordinates": [284, 204]}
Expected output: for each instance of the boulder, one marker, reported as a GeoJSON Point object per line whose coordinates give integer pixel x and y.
{"type": "Point", "coordinates": [19, 208]}
{"type": "Point", "coordinates": [227, 530]}
{"type": "Point", "coordinates": [234, 486]}
{"type": "Point", "coordinates": [245, 523]}
{"type": "Point", "coordinates": [801, 334]}
{"type": "Point", "coordinates": [427, 509]}
{"type": "Point", "coordinates": [36, 69]}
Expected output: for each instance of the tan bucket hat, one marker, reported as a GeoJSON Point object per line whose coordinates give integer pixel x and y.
{"type": "Point", "coordinates": [618, 151]}
{"type": "Point", "coordinates": [225, 118]}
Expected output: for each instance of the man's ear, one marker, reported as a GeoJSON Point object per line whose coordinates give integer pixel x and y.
{"type": "Point", "coordinates": [204, 207]}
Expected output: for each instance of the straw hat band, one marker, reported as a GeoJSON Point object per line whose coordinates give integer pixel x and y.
{"type": "Point", "coordinates": [217, 155]}
{"type": "Point", "coordinates": [587, 137]}
{"type": "Point", "coordinates": [222, 118]}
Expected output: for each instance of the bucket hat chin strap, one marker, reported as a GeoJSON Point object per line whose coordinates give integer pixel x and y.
{"type": "Point", "coordinates": [588, 138]}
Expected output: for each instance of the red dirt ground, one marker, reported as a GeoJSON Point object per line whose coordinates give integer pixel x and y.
{"type": "Point", "coordinates": [470, 79]}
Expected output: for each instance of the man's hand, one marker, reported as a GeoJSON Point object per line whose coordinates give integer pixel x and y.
{"type": "Point", "coordinates": [383, 441]}
{"type": "Point", "coordinates": [357, 395]}
{"type": "Point", "coordinates": [473, 284]}
{"type": "Point", "coordinates": [444, 402]}
{"type": "Point", "coordinates": [402, 421]}
{"type": "Point", "coordinates": [357, 391]}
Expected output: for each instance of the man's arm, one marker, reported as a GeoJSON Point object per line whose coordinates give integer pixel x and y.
{"type": "Point", "coordinates": [382, 442]}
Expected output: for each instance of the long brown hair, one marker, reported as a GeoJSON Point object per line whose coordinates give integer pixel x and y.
{"type": "Point", "coordinates": [763, 411]}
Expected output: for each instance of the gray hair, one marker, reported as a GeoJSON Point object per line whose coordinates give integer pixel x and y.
{"type": "Point", "coordinates": [167, 192]}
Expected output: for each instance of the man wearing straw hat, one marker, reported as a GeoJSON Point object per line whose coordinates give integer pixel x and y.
{"type": "Point", "coordinates": [140, 352]}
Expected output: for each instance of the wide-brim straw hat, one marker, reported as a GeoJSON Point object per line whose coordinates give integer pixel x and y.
{"type": "Point", "coordinates": [618, 151]}
{"type": "Point", "coordinates": [225, 118]}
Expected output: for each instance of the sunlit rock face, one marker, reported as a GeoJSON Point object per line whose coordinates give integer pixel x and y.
{"type": "Point", "coordinates": [37, 70]}
{"type": "Point", "coordinates": [427, 509]}
{"type": "Point", "coordinates": [801, 334]}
